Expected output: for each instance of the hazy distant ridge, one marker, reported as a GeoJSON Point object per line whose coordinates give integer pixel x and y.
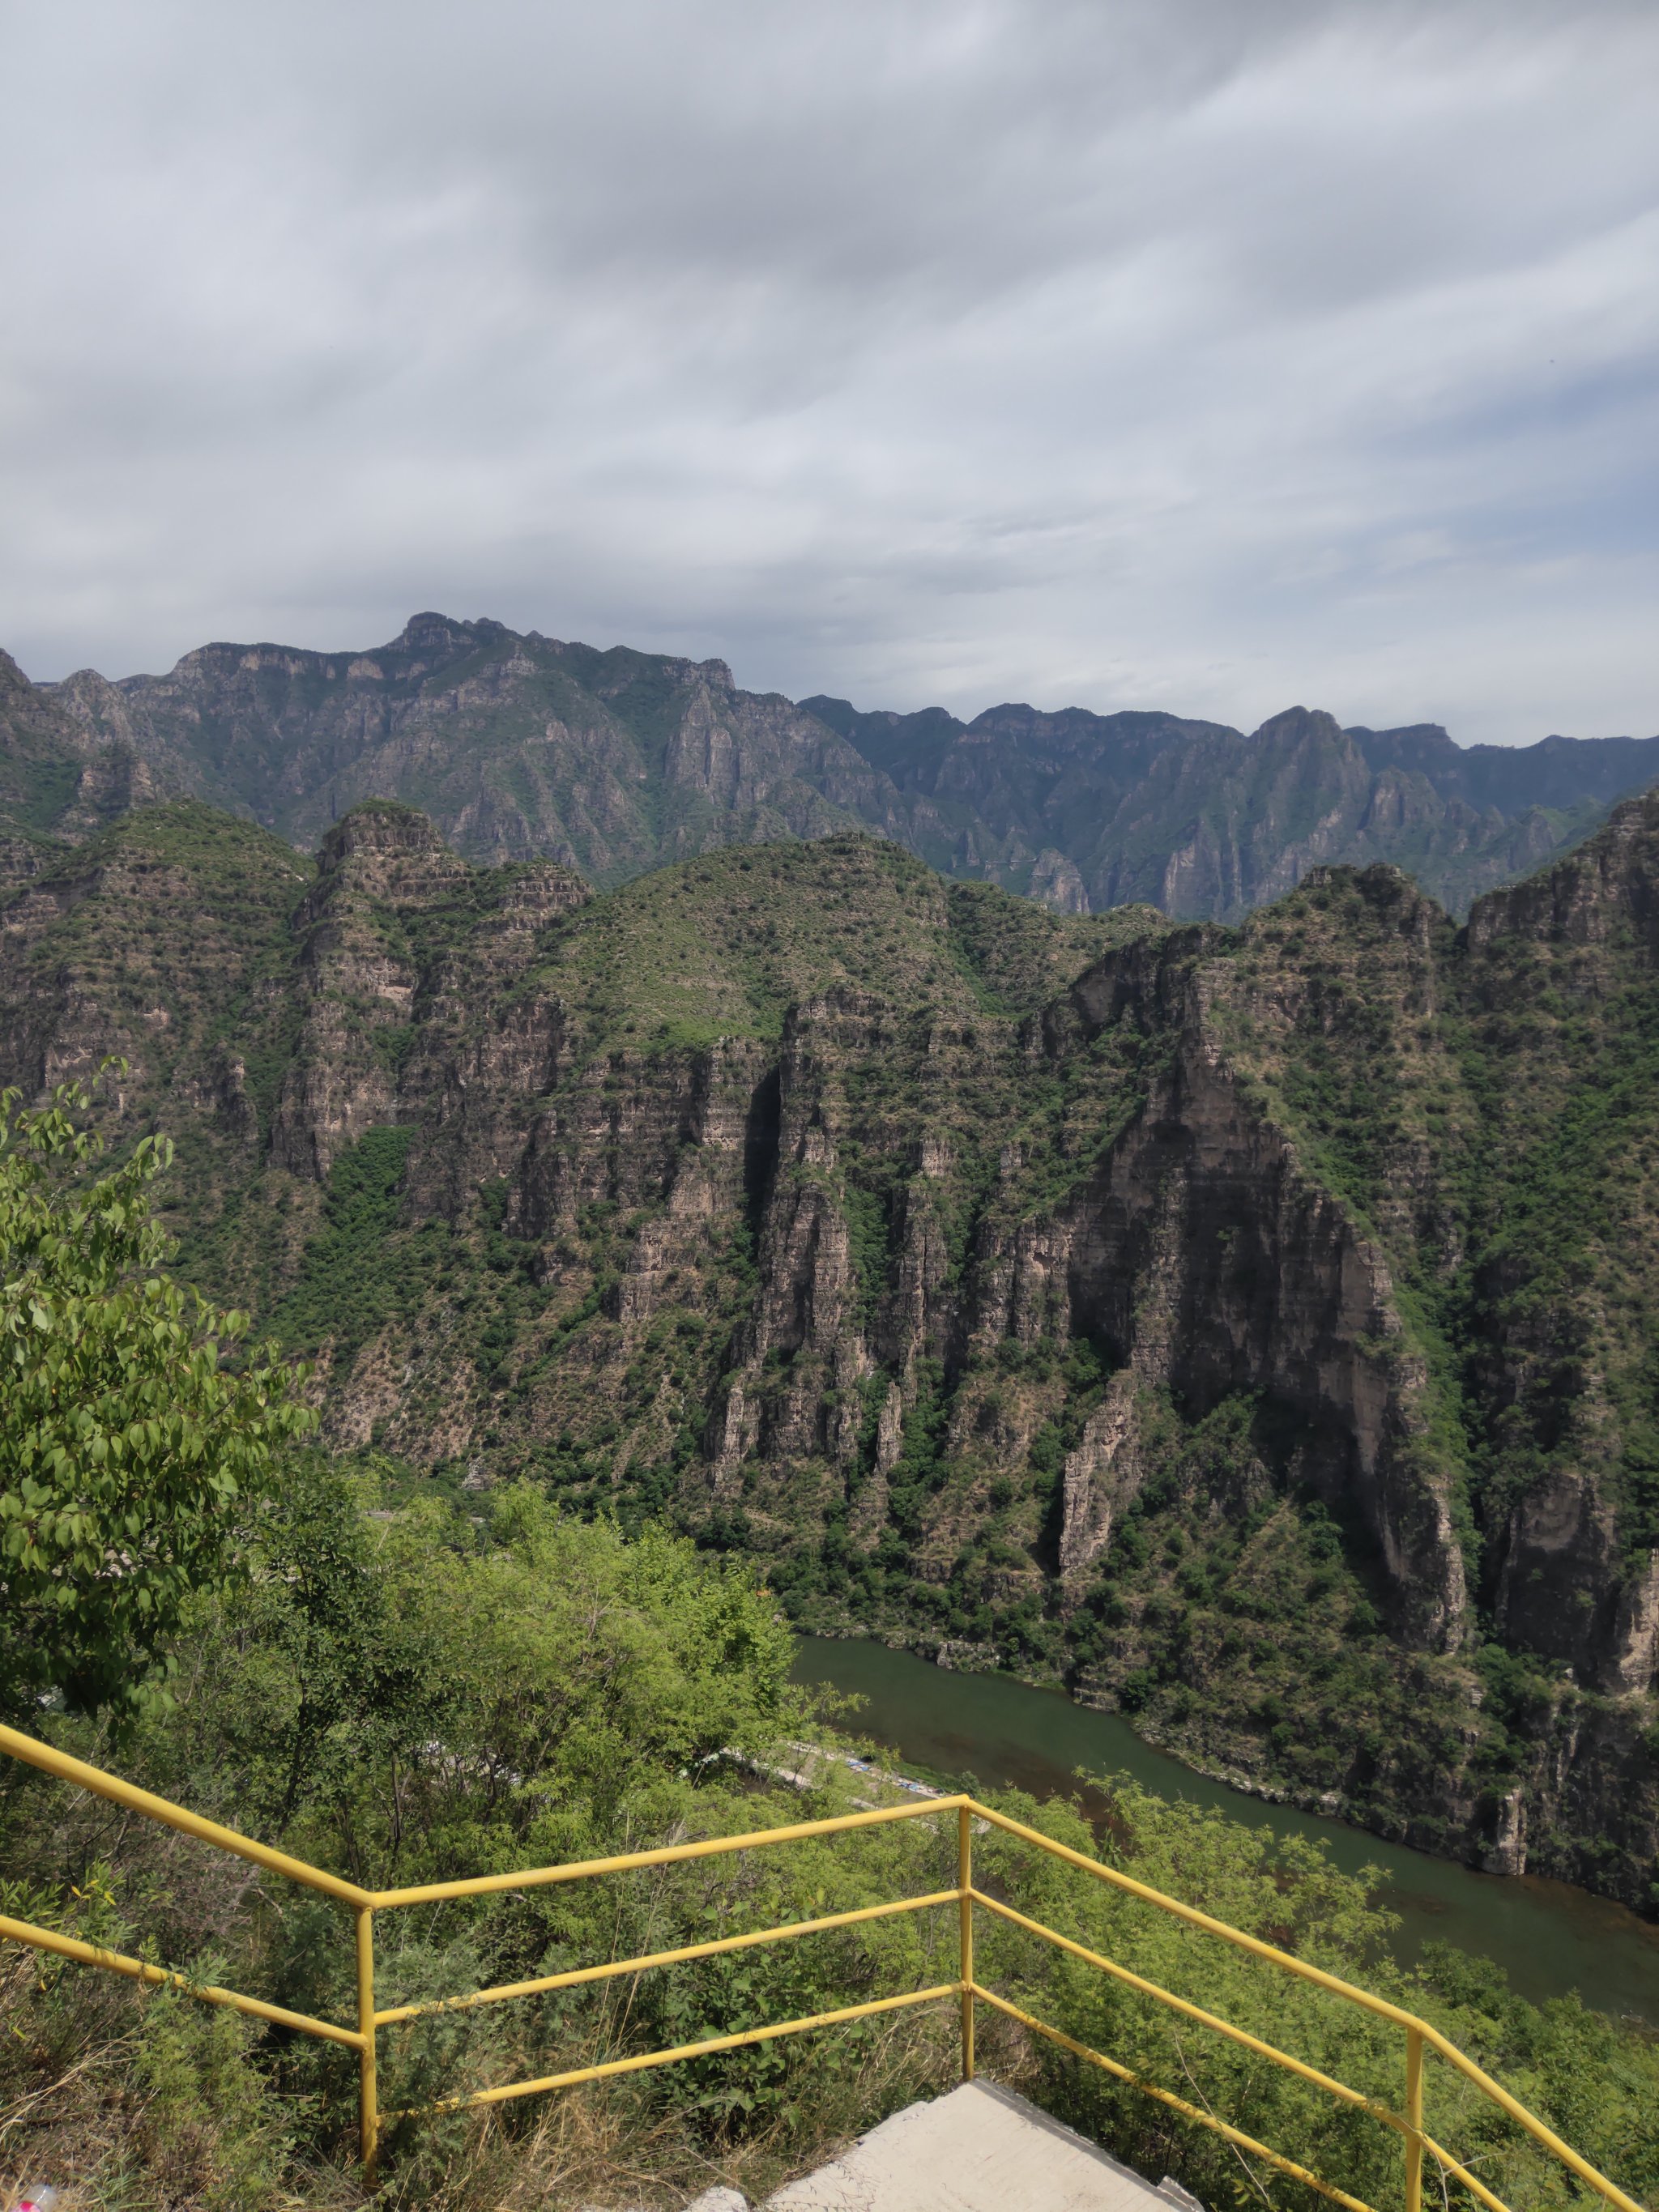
{"type": "Point", "coordinates": [616, 763]}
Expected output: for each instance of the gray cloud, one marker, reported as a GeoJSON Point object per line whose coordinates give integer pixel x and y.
{"type": "Point", "coordinates": [1143, 351]}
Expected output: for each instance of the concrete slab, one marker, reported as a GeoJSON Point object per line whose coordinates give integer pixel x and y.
{"type": "Point", "coordinates": [717, 2199]}
{"type": "Point", "coordinates": [980, 2149]}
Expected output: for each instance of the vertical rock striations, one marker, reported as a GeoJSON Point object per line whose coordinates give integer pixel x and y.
{"type": "Point", "coordinates": [1252, 1326]}
{"type": "Point", "coordinates": [615, 763]}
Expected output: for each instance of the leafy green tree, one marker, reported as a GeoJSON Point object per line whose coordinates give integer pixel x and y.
{"type": "Point", "coordinates": [127, 1437]}
{"type": "Point", "coordinates": [419, 1690]}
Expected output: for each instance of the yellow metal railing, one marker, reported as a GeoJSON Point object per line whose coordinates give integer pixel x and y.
{"type": "Point", "coordinates": [1419, 2037]}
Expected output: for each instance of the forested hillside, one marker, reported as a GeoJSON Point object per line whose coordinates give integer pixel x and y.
{"type": "Point", "coordinates": [1250, 1326]}
{"type": "Point", "coordinates": [402, 1686]}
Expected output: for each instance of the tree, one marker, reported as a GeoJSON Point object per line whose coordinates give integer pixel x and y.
{"type": "Point", "coordinates": [129, 1430]}
{"type": "Point", "coordinates": [418, 1689]}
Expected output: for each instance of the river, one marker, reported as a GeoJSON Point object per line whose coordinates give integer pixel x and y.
{"type": "Point", "coordinates": [1549, 1937]}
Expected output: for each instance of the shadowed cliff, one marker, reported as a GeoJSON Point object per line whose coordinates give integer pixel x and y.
{"type": "Point", "coordinates": [1249, 1325]}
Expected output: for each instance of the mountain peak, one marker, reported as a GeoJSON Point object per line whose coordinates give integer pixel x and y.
{"type": "Point", "coordinates": [1296, 723]}
{"type": "Point", "coordinates": [378, 826]}
{"type": "Point", "coordinates": [430, 632]}
{"type": "Point", "coordinates": [611, 762]}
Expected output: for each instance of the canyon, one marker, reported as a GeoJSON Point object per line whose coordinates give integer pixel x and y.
{"type": "Point", "coordinates": [1247, 1323]}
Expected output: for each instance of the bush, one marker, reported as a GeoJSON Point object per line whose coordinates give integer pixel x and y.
{"type": "Point", "coordinates": [404, 1693]}
{"type": "Point", "coordinates": [128, 1436]}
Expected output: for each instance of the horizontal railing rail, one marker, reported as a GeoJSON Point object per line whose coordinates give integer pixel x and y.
{"type": "Point", "coordinates": [714, 1949]}
{"type": "Point", "coordinates": [50, 1761]}
{"type": "Point", "coordinates": [1420, 2037]}
{"type": "Point", "coordinates": [142, 1970]}
{"type": "Point", "coordinates": [645, 2060]}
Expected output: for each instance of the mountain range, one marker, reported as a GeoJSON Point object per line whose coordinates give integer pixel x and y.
{"type": "Point", "coordinates": [613, 764]}
{"type": "Point", "coordinates": [1247, 1323]}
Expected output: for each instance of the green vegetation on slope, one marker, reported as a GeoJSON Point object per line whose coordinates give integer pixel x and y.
{"type": "Point", "coordinates": [356, 1276]}
{"type": "Point", "coordinates": [1490, 1118]}
{"type": "Point", "coordinates": [725, 944]}
{"type": "Point", "coordinates": [818, 1206]}
{"type": "Point", "coordinates": [408, 1693]}
{"type": "Point", "coordinates": [405, 1689]}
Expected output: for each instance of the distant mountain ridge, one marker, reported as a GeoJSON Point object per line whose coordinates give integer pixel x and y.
{"type": "Point", "coordinates": [1206, 823]}
{"type": "Point", "coordinates": [615, 763]}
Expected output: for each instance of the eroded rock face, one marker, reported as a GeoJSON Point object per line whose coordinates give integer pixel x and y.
{"type": "Point", "coordinates": [1102, 1474]}
{"type": "Point", "coordinates": [60, 782]}
{"type": "Point", "coordinates": [1200, 820]}
{"type": "Point", "coordinates": [386, 1005]}
{"type": "Point", "coordinates": [1219, 1266]}
{"type": "Point", "coordinates": [905, 1236]}
{"type": "Point", "coordinates": [612, 763]}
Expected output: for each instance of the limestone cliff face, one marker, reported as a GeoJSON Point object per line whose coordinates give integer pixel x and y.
{"type": "Point", "coordinates": [135, 948]}
{"type": "Point", "coordinates": [374, 985]}
{"type": "Point", "coordinates": [1211, 1264]}
{"type": "Point", "coordinates": [519, 747]}
{"type": "Point", "coordinates": [1104, 1474]}
{"type": "Point", "coordinates": [1603, 896]}
{"type": "Point", "coordinates": [1562, 970]}
{"type": "Point", "coordinates": [1199, 820]}
{"type": "Point", "coordinates": [523, 747]}
{"type": "Point", "coordinates": [1248, 1325]}
{"type": "Point", "coordinates": [60, 782]}
{"type": "Point", "coordinates": [634, 1130]}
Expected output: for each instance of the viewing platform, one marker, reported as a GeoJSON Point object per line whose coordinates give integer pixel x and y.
{"type": "Point", "coordinates": [980, 2149]}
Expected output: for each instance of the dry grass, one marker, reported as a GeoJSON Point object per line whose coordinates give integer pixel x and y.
{"type": "Point", "coordinates": [129, 2102]}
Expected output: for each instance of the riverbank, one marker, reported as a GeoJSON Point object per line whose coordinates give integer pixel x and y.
{"type": "Point", "coordinates": [957, 1656]}
{"type": "Point", "coordinates": [1549, 1937]}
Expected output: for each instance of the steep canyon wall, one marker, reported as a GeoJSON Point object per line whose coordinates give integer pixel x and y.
{"type": "Point", "coordinates": [1249, 1325]}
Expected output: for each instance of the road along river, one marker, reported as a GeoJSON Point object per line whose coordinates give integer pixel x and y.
{"type": "Point", "coordinates": [1548, 1937]}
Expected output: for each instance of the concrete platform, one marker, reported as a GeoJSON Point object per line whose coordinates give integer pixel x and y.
{"type": "Point", "coordinates": [980, 2149]}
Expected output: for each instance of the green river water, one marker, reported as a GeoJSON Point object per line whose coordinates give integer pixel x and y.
{"type": "Point", "coordinates": [1548, 1937]}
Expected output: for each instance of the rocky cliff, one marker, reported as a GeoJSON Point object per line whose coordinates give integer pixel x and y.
{"type": "Point", "coordinates": [1198, 819]}
{"type": "Point", "coordinates": [1250, 1325]}
{"type": "Point", "coordinates": [612, 763]}
{"type": "Point", "coordinates": [59, 780]}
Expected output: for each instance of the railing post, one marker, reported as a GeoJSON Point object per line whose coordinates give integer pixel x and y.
{"type": "Point", "coordinates": [965, 1930]}
{"type": "Point", "coordinates": [1413, 2120]}
{"type": "Point", "coordinates": [368, 2117]}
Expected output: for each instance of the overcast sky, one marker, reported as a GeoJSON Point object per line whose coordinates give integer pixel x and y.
{"type": "Point", "coordinates": [1214, 354]}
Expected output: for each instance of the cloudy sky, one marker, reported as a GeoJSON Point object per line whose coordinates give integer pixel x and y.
{"type": "Point", "coordinates": [1209, 354]}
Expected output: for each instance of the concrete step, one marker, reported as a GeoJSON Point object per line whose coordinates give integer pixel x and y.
{"type": "Point", "coordinates": [980, 2149]}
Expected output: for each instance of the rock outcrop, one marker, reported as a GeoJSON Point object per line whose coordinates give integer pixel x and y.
{"type": "Point", "coordinates": [1251, 1326]}
{"type": "Point", "coordinates": [612, 764]}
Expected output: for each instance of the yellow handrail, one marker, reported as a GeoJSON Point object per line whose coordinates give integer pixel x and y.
{"type": "Point", "coordinates": [141, 1970]}
{"type": "Point", "coordinates": [434, 1892]}
{"type": "Point", "coordinates": [1212, 2020]}
{"type": "Point", "coordinates": [649, 2058]}
{"type": "Point", "coordinates": [966, 1989]}
{"type": "Point", "coordinates": [50, 1761]}
{"type": "Point", "coordinates": [1177, 2104]}
{"type": "Point", "coordinates": [1409, 2020]}
{"type": "Point", "coordinates": [711, 1950]}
